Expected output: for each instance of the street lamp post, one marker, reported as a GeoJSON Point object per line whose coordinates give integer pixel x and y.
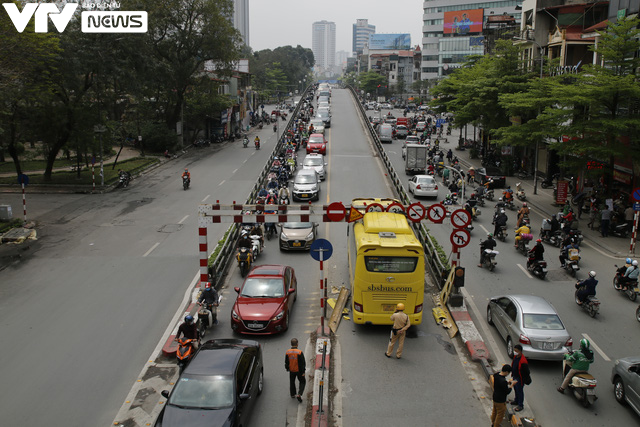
{"type": "Point", "coordinates": [535, 166]}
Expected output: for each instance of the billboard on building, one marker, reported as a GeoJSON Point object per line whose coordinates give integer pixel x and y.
{"type": "Point", "coordinates": [390, 41]}
{"type": "Point", "coordinates": [463, 21]}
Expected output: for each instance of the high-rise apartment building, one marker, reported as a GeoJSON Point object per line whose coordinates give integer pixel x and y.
{"type": "Point", "coordinates": [241, 18]}
{"type": "Point", "coordinates": [323, 45]}
{"type": "Point", "coordinates": [452, 30]}
{"type": "Point", "coordinates": [361, 32]}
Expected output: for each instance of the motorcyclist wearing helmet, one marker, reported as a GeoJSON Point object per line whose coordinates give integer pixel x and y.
{"type": "Point", "coordinates": [244, 241]}
{"type": "Point", "coordinates": [536, 253]}
{"type": "Point", "coordinates": [580, 361]}
{"type": "Point", "coordinates": [554, 225]}
{"type": "Point", "coordinates": [630, 275]}
{"type": "Point", "coordinates": [587, 287]}
{"type": "Point", "coordinates": [524, 229]}
{"type": "Point", "coordinates": [256, 141]}
{"type": "Point", "coordinates": [188, 330]}
{"type": "Point", "coordinates": [500, 205]}
{"type": "Point", "coordinates": [523, 212]}
{"type": "Point", "coordinates": [187, 174]}
{"type": "Point", "coordinates": [564, 252]}
{"type": "Point", "coordinates": [401, 323]}
{"type": "Point", "coordinates": [263, 193]}
{"type": "Point", "coordinates": [507, 194]}
{"type": "Point", "coordinates": [500, 220]}
{"type": "Point", "coordinates": [209, 298]}
{"type": "Point", "coordinates": [272, 184]}
{"type": "Point", "coordinates": [490, 243]}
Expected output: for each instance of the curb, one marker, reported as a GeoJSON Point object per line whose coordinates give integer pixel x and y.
{"type": "Point", "coordinates": [170, 347]}
{"type": "Point", "coordinates": [469, 333]}
{"type": "Point", "coordinates": [321, 378]}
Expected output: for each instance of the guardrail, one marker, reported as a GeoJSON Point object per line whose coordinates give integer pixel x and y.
{"type": "Point", "coordinates": [224, 252]}
{"type": "Point", "coordinates": [437, 268]}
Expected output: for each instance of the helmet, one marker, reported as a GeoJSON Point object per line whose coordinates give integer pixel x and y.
{"type": "Point", "coordinates": [186, 170]}
{"type": "Point", "coordinates": [400, 306]}
{"type": "Point", "coordinates": [553, 216]}
{"type": "Point", "coordinates": [627, 261]}
{"type": "Point", "coordinates": [188, 318]}
{"type": "Point", "coordinates": [207, 287]}
{"type": "Point", "coordinates": [525, 221]}
{"type": "Point", "coordinates": [584, 343]}
{"type": "Point", "coordinates": [539, 240]}
{"type": "Point", "coordinates": [501, 211]}
{"type": "Point", "coordinates": [524, 204]}
{"type": "Point", "coordinates": [490, 235]}
{"type": "Point", "coordinates": [592, 273]}
{"type": "Point", "coordinates": [500, 199]}
{"type": "Point", "coordinates": [634, 263]}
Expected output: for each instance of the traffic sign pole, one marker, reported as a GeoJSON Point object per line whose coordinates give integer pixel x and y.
{"type": "Point", "coordinates": [24, 203]}
{"type": "Point", "coordinates": [634, 233]}
{"type": "Point", "coordinates": [323, 291]}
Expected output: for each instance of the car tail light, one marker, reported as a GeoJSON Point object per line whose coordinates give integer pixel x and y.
{"type": "Point", "coordinates": [418, 187]}
{"type": "Point", "coordinates": [418, 309]}
{"type": "Point", "coordinates": [357, 307]}
{"type": "Point", "coordinates": [569, 342]}
{"type": "Point", "coordinates": [436, 187]}
{"type": "Point", "coordinates": [524, 339]}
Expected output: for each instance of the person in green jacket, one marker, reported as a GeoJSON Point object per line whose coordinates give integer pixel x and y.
{"type": "Point", "coordinates": [581, 359]}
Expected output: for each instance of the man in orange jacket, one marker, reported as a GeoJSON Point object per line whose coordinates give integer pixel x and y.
{"type": "Point", "coordinates": [294, 363]}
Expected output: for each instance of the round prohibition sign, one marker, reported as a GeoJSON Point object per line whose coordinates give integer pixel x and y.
{"type": "Point", "coordinates": [460, 218]}
{"type": "Point", "coordinates": [416, 212]}
{"type": "Point", "coordinates": [460, 238]}
{"type": "Point", "coordinates": [437, 213]}
{"type": "Point", "coordinates": [375, 207]}
{"type": "Point", "coordinates": [395, 208]}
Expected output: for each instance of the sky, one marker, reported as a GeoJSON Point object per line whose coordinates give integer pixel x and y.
{"type": "Point", "coordinates": [274, 23]}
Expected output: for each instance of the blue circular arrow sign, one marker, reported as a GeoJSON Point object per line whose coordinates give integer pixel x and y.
{"type": "Point", "coordinates": [321, 246]}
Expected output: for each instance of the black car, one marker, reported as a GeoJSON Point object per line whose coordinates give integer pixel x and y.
{"type": "Point", "coordinates": [491, 173]}
{"type": "Point", "coordinates": [219, 387]}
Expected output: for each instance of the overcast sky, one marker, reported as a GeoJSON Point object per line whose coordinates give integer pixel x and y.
{"type": "Point", "coordinates": [276, 23]}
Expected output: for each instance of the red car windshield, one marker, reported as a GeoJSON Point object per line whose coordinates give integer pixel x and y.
{"type": "Point", "coordinates": [262, 287]}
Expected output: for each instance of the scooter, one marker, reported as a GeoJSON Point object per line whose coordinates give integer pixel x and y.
{"type": "Point", "coordinates": [245, 142]}
{"type": "Point", "coordinates": [502, 233]}
{"type": "Point", "coordinates": [520, 194]}
{"type": "Point", "coordinates": [489, 194]}
{"type": "Point", "coordinates": [260, 125]}
{"type": "Point", "coordinates": [523, 244]}
{"type": "Point", "coordinates": [270, 229]}
{"type": "Point", "coordinates": [185, 182]}
{"type": "Point", "coordinates": [509, 204]}
{"type": "Point", "coordinates": [185, 352]}
{"type": "Point", "coordinates": [591, 305]}
{"type": "Point", "coordinates": [489, 259]}
{"type": "Point", "coordinates": [582, 385]}
{"type": "Point", "coordinates": [257, 145]}
{"type": "Point", "coordinates": [245, 258]}
{"type": "Point", "coordinates": [125, 178]}
{"type": "Point", "coordinates": [571, 263]}
{"type": "Point", "coordinates": [256, 245]}
{"type": "Point", "coordinates": [630, 289]}
{"type": "Point", "coordinates": [207, 317]}
{"type": "Point", "coordinates": [275, 128]}
{"type": "Point", "coordinates": [538, 268]}
{"type": "Point", "coordinates": [548, 181]}
{"type": "Point", "coordinates": [619, 230]}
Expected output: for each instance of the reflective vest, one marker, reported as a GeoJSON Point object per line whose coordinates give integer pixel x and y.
{"type": "Point", "coordinates": [292, 356]}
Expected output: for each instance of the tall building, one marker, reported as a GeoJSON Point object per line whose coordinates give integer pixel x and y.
{"type": "Point", "coordinates": [361, 32]}
{"type": "Point", "coordinates": [323, 45]}
{"type": "Point", "coordinates": [241, 18]}
{"type": "Point", "coordinates": [453, 30]}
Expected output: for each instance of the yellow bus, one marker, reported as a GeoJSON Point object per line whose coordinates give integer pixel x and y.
{"type": "Point", "coordinates": [386, 266]}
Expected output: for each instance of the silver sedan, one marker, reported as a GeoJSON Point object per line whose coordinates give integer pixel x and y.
{"type": "Point", "coordinates": [625, 377]}
{"type": "Point", "coordinates": [532, 322]}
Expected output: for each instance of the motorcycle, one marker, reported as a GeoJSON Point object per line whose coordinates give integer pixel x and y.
{"type": "Point", "coordinates": [548, 181]}
{"type": "Point", "coordinates": [185, 352]}
{"type": "Point", "coordinates": [509, 204]}
{"type": "Point", "coordinates": [123, 181]}
{"type": "Point", "coordinates": [256, 246]}
{"type": "Point", "coordinates": [489, 259]}
{"type": "Point", "coordinates": [591, 305]}
{"type": "Point", "coordinates": [244, 256]}
{"type": "Point", "coordinates": [260, 125]}
{"type": "Point", "coordinates": [523, 244]}
{"type": "Point", "coordinates": [520, 194]}
{"type": "Point", "coordinates": [207, 317]}
{"type": "Point", "coordinates": [185, 182]}
{"type": "Point", "coordinates": [502, 233]}
{"type": "Point", "coordinates": [270, 229]}
{"type": "Point", "coordinates": [257, 144]}
{"type": "Point", "coordinates": [571, 263]}
{"type": "Point", "coordinates": [275, 128]}
{"type": "Point", "coordinates": [582, 385]}
{"type": "Point", "coordinates": [630, 289]}
{"type": "Point", "coordinates": [554, 238]}
{"type": "Point", "coordinates": [284, 200]}
{"type": "Point", "coordinates": [451, 199]}
{"type": "Point", "coordinates": [538, 268]}
{"type": "Point", "coordinates": [619, 230]}
{"type": "Point", "coordinates": [245, 142]}
{"type": "Point", "coordinates": [489, 194]}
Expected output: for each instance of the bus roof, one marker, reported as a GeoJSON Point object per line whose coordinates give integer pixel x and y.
{"type": "Point", "coordinates": [377, 222]}
{"type": "Point", "coordinates": [361, 203]}
{"type": "Point", "coordinates": [385, 230]}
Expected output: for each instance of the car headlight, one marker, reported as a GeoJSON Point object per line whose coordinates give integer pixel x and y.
{"type": "Point", "coordinates": [279, 315]}
{"type": "Point", "coordinates": [309, 236]}
{"type": "Point", "coordinates": [234, 314]}
{"type": "Point", "coordinates": [283, 236]}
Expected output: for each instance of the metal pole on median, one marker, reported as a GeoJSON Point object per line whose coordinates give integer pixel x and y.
{"type": "Point", "coordinates": [322, 301]}
{"type": "Point", "coordinates": [634, 233]}
{"type": "Point", "coordinates": [24, 203]}
{"type": "Point", "coordinates": [317, 252]}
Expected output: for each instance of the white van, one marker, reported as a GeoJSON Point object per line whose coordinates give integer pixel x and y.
{"type": "Point", "coordinates": [385, 132]}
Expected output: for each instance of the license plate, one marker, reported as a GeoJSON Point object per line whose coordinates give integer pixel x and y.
{"type": "Point", "coordinates": [591, 391]}
{"type": "Point", "coordinates": [254, 326]}
{"type": "Point", "coordinates": [547, 346]}
{"type": "Point", "coordinates": [297, 244]}
{"type": "Point", "coordinates": [636, 289]}
{"type": "Point", "coordinates": [304, 195]}
{"type": "Point", "coordinates": [388, 307]}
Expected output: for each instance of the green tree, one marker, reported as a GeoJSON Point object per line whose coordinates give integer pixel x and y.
{"type": "Point", "coordinates": [371, 81]}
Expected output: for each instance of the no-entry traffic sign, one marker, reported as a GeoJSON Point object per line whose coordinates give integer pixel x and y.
{"type": "Point", "coordinates": [336, 211]}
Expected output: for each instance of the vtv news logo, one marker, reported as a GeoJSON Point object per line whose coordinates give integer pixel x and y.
{"type": "Point", "coordinates": [91, 21]}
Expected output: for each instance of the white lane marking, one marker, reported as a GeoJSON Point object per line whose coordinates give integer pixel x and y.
{"type": "Point", "coordinates": [483, 227]}
{"type": "Point", "coordinates": [245, 161]}
{"type": "Point", "coordinates": [524, 270]}
{"type": "Point", "coordinates": [598, 349]}
{"type": "Point", "coordinates": [595, 248]}
{"type": "Point", "coordinates": [151, 250]}
{"type": "Point", "coordinates": [221, 182]}
{"type": "Point", "coordinates": [234, 171]}
{"type": "Point", "coordinates": [183, 219]}
{"type": "Point", "coordinates": [205, 199]}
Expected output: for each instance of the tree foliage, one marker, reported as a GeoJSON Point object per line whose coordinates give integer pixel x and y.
{"type": "Point", "coordinates": [280, 70]}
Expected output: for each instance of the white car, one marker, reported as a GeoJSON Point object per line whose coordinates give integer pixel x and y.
{"type": "Point", "coordinates": [315, 162]}
{"type": "Point", "coordinates": [423, 186]}
{"type": "Point", "coordinates": [386, 106]}
{"type": "Point", "coordinates": [421, 126]}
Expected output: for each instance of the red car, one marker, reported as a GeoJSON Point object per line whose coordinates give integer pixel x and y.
{"type": "Point", "coordinates": [265, 300]}
{"type": "Point", "coordinates": [317, 144]}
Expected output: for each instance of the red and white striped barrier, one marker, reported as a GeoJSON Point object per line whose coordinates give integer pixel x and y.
{"type": "Point", "coordinates": [634, 233]}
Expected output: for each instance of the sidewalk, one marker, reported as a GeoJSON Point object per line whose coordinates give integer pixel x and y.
{"type": "Point", "coordinates": [543, 202]}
